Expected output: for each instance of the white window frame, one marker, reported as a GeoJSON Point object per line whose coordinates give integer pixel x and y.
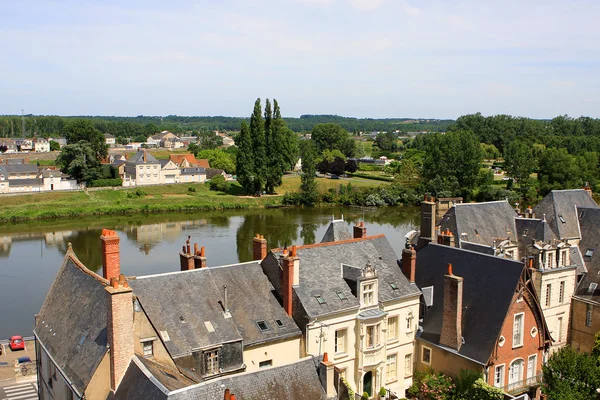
{"type": "Point", "coordinates": [521, 331]}
{"type": "Point", "coordinates": [392, 328]}
{"type": "Point", "coordinates": [499, 383]}
{"type": "Point", "coordinates": [372, 341]}
{"type": "Point", "coordinates": [340, 336]}
{"type": "Point", "coordinates": [388, 370]}
{"type": "Point", "coordinates": [423, 348]}
{"type": "Point", "coordinates": [409, 322]}
{"type": "Point", "coordinates": [561, 292]}
{"type": "Point", "coordinates": [145, 345]}
{"type": "Point", "coordinates": [548, 300]}
{"type": "Point", "coordinates": [368, 293]}
{"type": "Point", "coordinates": [512, 373]}
{"type": "Point", "coordinates": [408, 367]}
{"type": "Point", "coordinates": [211, 364]}
{"type": "Point", "coordinates": [588, 315]}
{"type": "Point", "coordinates": [531, 367]}
{"type": "Point", "coordinates": [559, 333]}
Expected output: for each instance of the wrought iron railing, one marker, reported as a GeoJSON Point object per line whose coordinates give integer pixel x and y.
{"type": "Point", "coordinates": [524, 385]}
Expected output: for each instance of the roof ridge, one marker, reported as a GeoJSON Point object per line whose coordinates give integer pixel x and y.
{"type": "Point", "coordinates": [482, 202]}
{"type": "Point", "coordinates": [195, 269]}
{"type": "Point", "coordinates": [73, 257]}
{"type": "Point", "coordinates": [472, 251]}
{"type": "Point", "coordinates": [346, 241]}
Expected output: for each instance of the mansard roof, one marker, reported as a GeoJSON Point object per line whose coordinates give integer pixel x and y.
{"type": "Point", "coordinates": [589, 287]}
{"type": "Point", "coordinates": [559, 209]}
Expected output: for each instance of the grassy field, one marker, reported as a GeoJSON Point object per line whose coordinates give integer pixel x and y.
{"type": "Point", "coordinates": [148, 199]}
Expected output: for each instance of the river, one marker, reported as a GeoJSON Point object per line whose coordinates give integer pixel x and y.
{"type": "Point", "coordinates": [31, 254]}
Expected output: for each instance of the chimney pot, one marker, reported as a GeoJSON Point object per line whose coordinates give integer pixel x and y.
{"type": "Point", "coordinates": [195, 248]}
{"type": "Point", "coordinates": [111, 264]}
{"type": "Point", "coordinates": [259, 248]}
{"type": "Point", "coordinates": [202, 251]}
{"type": "Point", "coordinates": [451, 334]}
{"type": "Point", "coordinates": [325, 357]}
{"type": "Point", "coordinates": [227, 395]}
{"type": "Point", "coordinates": [232, 396]}
{"type": "Point", "coordinates": [450, 269]}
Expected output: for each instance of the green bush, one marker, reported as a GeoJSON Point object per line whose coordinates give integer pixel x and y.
{"type": "Point", "coordinates": [106, 182]}
{"type": "Point", "coordinates": [437, 387]}
{"type": "Point", "coordinates": [369, 167]}
{"type": "Point", "coordinates": [219, 184]}
{"type": "Point", "coordinates": [374, 177]}
{"type": "Point", "coordinates": [136, 193]}
{"type": "Point", "coordinates": [192, 189]}
{"type": "Point", "coordinates": [365, 396]}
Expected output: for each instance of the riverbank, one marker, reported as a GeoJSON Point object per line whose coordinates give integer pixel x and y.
{"type": "Point", "coordinates": [146, 199]}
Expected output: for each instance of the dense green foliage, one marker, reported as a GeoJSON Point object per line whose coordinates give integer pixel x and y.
{"type": "Point", "coordinates": [245, 159]}
{"type": "Point", "coordinates": [219, 184]}
{"type": "Point", "coordinates": [569, 375]}
{"type": "Point", "coordinates": [469, 385]}
{"type": "Point", "coordinates": [387, 141]}
{"type": "Point", "coordinates": [54, 146]}
{"type": "Point", "coordinates": [219, 159]}
{"type": "Point", "coordinates": [109, 182]}
{"type": "Point", "coordinates": [333, 137]}
{"type": "Point", "coordinates": [83, 131]}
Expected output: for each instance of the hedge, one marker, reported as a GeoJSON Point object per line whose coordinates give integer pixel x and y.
{"type": "Point", "coordinates": [106, 182]}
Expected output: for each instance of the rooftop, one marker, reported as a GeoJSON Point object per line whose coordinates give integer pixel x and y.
{"type": "Point", "coordinates": [559, 209]}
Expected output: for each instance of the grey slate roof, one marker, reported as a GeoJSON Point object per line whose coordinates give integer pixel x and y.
{"type": "Point", "coordinates": [590, 243]}
{"type": "Point", "coordinates": [563, 203]}
{"type": "Point", "coordinates": [138, 158]}
{"type": "Point", "coordinates": [530, 229]}
{"type": "Point", "coordinates": [196, 294]}
{"type": "Point", "coordinates": [337, 230]}
{"type": "Point", "coordinates": [321, 273]}
{"type": "Point", "coordinates": [296, 381]}
{"type": "Point", "coordinates": [26, 182]}
{"type": "Point", "coordinates": [488, 288]}
{"type": "Point", "coordinates": [20, 168]}
{"type": "Point", "coordinates": [76, 306]}
{"type": "Point", "coordinates": [193, 171]}
{"type": "Point", "coordinates": [212, 172]}
{"type": "Point", "coordinates": [481, 222]}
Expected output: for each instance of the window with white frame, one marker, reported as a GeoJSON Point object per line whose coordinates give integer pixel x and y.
{"type": "Point", "coordinates": [499, 376]}
{"type": "Point", "coordinates": [561, 292]}
{"type": "Point", "coordinates": [588, 315]}
{"type": "Point", "coordinates": [531, 368]}
{"type": "Point", "coordinates": [372, 336]}
{"type": "Point", "coordinates": [391, 368]}
{"type": "Point", "coordinates": [409, 322]}
{"type": "Point", "coordinates": [551, 260]}
{"type": "Point", "coordinates": [148, 347]}
{"type": "Point", "coordinates": [515, 373]}
{"type": "Point", "coordinates": [211, 362]}
{"type": "Point", "coordinates": [340, 341]}
{"type": "Point", "coordinates": [392, 332]}
{"type": "Point", "coordinates": [548, 294]}
{"type": "Point", "coordinates": [407, 365]}
{"type": "Point", "coordinates": [518, 325]}
{"type": "Point", "coordinates": [426, 355]}
{"type": "Point", "coordinates": [368, 294]}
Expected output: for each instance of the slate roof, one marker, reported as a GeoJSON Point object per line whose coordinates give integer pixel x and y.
{"type": "Point", "coordinates": [530, 229]}
{"type": "Point", "coordinates": [138, 158]}
{"type": "Point", "coordinates": [212, 172]}
{"type": "Point", "coordinates": [337, 230]}
{"type": "Point", "coordinates": [196, 295]}
{"type": "Point", "coordinates": [193, 171]}
{"type": "Point", "coordinates": [481, 222]}
{"type": "Point", "coordinates": [20, 168]}
{"type": "Point", "coordinates": [26, 182]}
{"type": "Point", "coordinates": [488, 288]}
{"type": "Point", "coordinates": [563, 203]}
{"type": "Point", "coordinates": [74, 312]}
{"type": "Point", "coordinates": [321, 273]}
{"type": "Point", "coordinates": [296, 381]}
{"type": "Point", "coordinates": [590, 249]}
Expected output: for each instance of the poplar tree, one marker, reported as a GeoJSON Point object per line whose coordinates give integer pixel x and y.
{"type": "Point", "coordinates": [257, 133]}
{"type": "Point", "coordinates": [245, 160]}
{"type": "Point", "coordinates": [275, 149]}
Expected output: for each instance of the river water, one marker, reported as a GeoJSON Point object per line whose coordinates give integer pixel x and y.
{"type": "Point", "coordinates": [31, 254]}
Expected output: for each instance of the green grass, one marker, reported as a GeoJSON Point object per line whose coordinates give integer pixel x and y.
{"type": "Point", "coordinates": [148, 199]}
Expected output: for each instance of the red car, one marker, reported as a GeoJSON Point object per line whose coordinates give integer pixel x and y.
{"type": "Point", "coordinates": [16, 343]}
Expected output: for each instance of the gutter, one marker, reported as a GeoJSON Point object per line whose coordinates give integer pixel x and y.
{"type": "Point", "coordinates": [448, 349]}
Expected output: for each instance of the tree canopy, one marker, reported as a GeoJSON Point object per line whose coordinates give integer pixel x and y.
{"type": "Point", "coordinates": [331, 136]}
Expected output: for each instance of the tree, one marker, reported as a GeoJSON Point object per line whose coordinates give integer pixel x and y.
{"type": "Point", "coordinates": [245, 160]}
{"type": "Point", "coordinates": [333, 162]}
{"type": "Point", "coordinates": [54, 145]}
{"type": "Point", "coordinates": [219, 159]}
{"type": "Point", "coordinates": [519, 161]}
{"type": "Point", "coordinates": [387, 141]}
{"type": "Point", "coordinates": [257, 133]}
{"type": "Point", "coordinates": [569, 375]}
{"type": "Point", "coordinates": [308, 184]}
{"type": "Point", "coordinates": [490, 152]}
{"type": "Point", "coordinates": [558, 170]}
{"type": "Point", "coordinates": [79, 160]}
{"type": "Point", "coordinates": [331, 136]}
{"type": "Point", "coordinates": [81, 130]}
{"type": "Point", "coordinates": [209, 140]}
{"type": "Point", "coordinates": [219, 183]}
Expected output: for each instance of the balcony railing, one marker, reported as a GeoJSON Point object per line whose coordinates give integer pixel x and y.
{"type": "Point", "coordinates": [524, 385]}
{"type": "Point", "coordinates": [372, 356]}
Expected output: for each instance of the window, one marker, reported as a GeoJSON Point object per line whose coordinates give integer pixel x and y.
{"type": "Point", "coordinates": [559, 333]}
{"type": "Point", "coordinates": [518, 330]}
{"type": "Point", "coordinates": [341, 295]}
{"type": "Point", "coordinates": [592, 288]}
{"type": "Point", "coordinates": [211, 362]}
{"type": "Point", "coordinates": [515, 373]}
{"type": "Point", "coordinates": [148, 348]}
{"type": "Point", "coordinates": [499, 376]}
{"type": "Point", "coordinates": [394, 286]}
{"type": "Point", "coordinates": [531, 368]}
{"type": "Point", "coordinates": [392, 332]}
{"type": "Point", "coordinates": [588, 315]}
{"type": "Point", "coordinates": [262, 325]}
{"type": "Point", "coordinates": [550, 260]}
{"type": "Point", "coordinates": [264, 364]}
{"type": "Point", "coordinates": [407, 365]}
{"type": "Point", "coordinates": [561, 292]}
{"type": "Point", "coordinates": [320, 299]}
{"type": "Point", "coordinates": [562, 219]}
{"type": "Point", "coordinates": [548, 294]}
{"type": "Point", "coordinates": [368, 293]}
{"type": "Point", "coordinates": [390, 368]}
{"type": "Point", "coordinates": [372, 335]}
{"type": "Point", "coordinates": [589, 252]}
{"type": "Point", "coordinates": [426, 355]}
{"type": "Point", "coordinates": [279, 323]}
{"type": "Point", "coordinates": [409, 322]}
{"type": "Point", "coordinates": [340, 341]}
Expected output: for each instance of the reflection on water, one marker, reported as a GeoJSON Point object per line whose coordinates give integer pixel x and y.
{"type": "Point", "coordinates": [30, 255]}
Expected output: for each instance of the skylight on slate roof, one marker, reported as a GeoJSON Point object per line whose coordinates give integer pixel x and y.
{"type": "Point", "coordinates": [279, 323]}
{"type": "Point", "coordinates": [592, 287]}
{"type": "Point", "coordinates": [262, 325]}
{"type": "Point", "coordinates": [82, 340]}
{"type": "Point", "coordinates": [589, 252]}
{"type": "Point", "coordinates": [581, 214]}
{"type": "Point", "coordinates": [394, 286]}
{"type": "Point", "coordinates": [341, 295]}
{"type": "Point", "coordinates": [320, 299]}
{"type": "Point", "coordinates": [562, 219]}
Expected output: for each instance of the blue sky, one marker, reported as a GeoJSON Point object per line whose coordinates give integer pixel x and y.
{"type": "Point", "coordinates": [363, 58]}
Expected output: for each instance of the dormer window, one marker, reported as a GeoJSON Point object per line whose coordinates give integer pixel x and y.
{"type": "Point", "coordinates": [368, 293]}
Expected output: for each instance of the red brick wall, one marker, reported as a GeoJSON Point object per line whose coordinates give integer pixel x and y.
{"type": "Point", "coordinates": [120, 332]}
{"type": "Point", "coordinates": [531, 345]}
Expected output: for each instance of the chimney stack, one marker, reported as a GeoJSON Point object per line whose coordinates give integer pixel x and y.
{"type": "Point", "coordinates": [119, 328]}
{"type": "Point", "coordinates": [326, 376]}
{"type": "Point", "coordinates": [409, 263]}
{"type": "Point", "coordinates": [446, 238]}
{"type": "Point", "coordinates": [227, 395]}
{"type": "Point", "coordinates": [199, 258]}
{"type": "Point", "coordinates": [360, 231]}
{"type": "Point", "coordinates": [451, 335]}
{"type": "Point", "coordinates": [427, 233]}
{"type": "Point", "coordinates": [259, 248]}
{"type": "Point", "coordinates": [111, 264]}
{"type": "Point", "coordinates": [290, 278]}
{"type": "Point", "coordinates": [186, 258]}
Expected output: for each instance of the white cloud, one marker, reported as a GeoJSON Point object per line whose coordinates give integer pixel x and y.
{"type": "Point", "coordinates": [411, 10]}
{"type": "Point", "coordinates": [366, 5]}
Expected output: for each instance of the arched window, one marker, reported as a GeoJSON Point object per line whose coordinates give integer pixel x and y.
{"type": "Point", "coordinates": [515, 374]}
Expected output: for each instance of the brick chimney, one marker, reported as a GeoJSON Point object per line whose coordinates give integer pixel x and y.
{"type": "Point", "coordinates": [446, 238]}
{"type": "Point", "coordinates": [587, 188]}
{"type": "Point", "coordinates": [259, 248]}
{"type": "Point", "coordinates": [451, 335]}
{"type": "Point", "coordinates": [227, 395]}
{"type": "Point", "coordinates": [119, 328]}
{"type": "Point", "coordinates": [199, 258]}
{"type": "Point", "coordinates": [326, 376]}
{"type": "Point", "coordinates": [360, 231]}
{"type": "Point", "coordinates": [427, 234]}
{"type": "Point", "coordinates": [186, 258]}
{"type": "Point", "coordinates": [291, 270]}
{"type": "Point", "coordinates": [111, 263]}
{"type": "Point", "coordinates": [409, 263]}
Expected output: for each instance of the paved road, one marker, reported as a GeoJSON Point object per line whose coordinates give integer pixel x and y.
{"type": "Point", "coordinates": [24, 391]}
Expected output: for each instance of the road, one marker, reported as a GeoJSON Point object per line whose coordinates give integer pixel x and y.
{"type": "Point", "coordinates": [24, 391]}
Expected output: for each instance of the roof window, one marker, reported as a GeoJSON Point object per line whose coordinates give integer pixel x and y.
{"type": "Point", "coordinates": [562, 219]}
{"type": "Point", "coordinates": [394, 286]}
{"type": "Point", "coordinates": [320, 299]}
{"type": "Point", "coordinates": [592, 288]}
{"type": "Point", "coordinates": [279, 323]}
{"type": "Point", "coordinates": [589, 252]}
{"type": "Point", "coordinates": [82, 340]}
{"type": "Point", "coordinates": [262, 325]}
{"type": "Point", "coordinates": [341, 295]}
{"type": "Point", "coordinates": [581, 214]}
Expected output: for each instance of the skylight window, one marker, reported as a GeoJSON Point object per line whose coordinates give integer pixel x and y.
{"type": "Point", "coordinates": [262, 325]}
{"type": "Point", "coordinates": [394, 286]}
{"type": "Point", "coordinates": [320, 299]}
{"type": "Point", "coordinates": [581, 214]}
{"type": "Point", "coordinates": [279, 323]}
{"type": "Point", "coordinates": [341, 295]}
{"type": "Point", "coordinates": [562, 219]}
{"type": "Point", "coordinates": [82, 340]}
{"type": "Point", "coordinates": [592, 287]}
{"type": "Point", "coordinates": [589, 252]}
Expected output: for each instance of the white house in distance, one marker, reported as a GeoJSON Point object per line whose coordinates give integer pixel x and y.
{"type": "Point", "coordinates": [142, 169]}
{"type": "Point", "coordinates": [41, 145]}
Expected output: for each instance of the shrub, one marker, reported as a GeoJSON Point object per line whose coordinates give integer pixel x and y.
{"type": "Point", "coordinates": [106, 182]}
{"type": "Point", "coordinates": [192, 189]}
{"type": "Point", "coordinates": [437, 387]}
{"type": "Point", "coordinates": [365, 396]}
{"type": "Point", "coordinates": [136, 193]}
{"type": "Point", "coordinates": [219, 184]}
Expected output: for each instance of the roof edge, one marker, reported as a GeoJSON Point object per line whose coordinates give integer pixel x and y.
{"type": "Point", "coordinates": [315, 245]}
